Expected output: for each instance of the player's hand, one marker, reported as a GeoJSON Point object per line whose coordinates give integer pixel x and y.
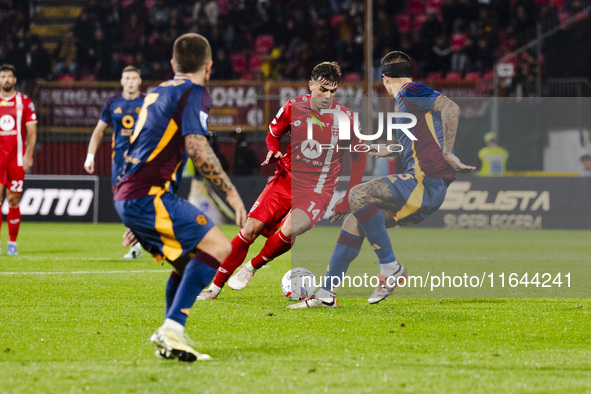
{"type": "Point", "coordinates": [27, 163]}
{"type": "Point", "coordinates": [272, 157]}
{"type": "Point", "coordinates": [340, 210]}
{"type": "Point", "coordinates": [381, 150]}
{"type": "Point", "coordinates": [89, 164]}
{"type": "Point", "coordinates": [233, 198]}
{"type": "Point", "coordinates": [456, 164]}
{"type": "Point", "coordinates": [129, 238]}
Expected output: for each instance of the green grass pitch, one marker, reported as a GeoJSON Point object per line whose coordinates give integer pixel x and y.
{"type": "Point", "coordinates": [75, 317]}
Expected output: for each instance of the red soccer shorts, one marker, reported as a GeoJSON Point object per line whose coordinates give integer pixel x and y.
{"type": "Point", "coordinates": [12, 176]}
{"type": "Point", "coordinates": [276, 201]}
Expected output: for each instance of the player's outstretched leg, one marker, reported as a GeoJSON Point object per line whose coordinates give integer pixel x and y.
{"type": "Point", "coordinates": [135, 251]}
{"type": "Point", "coordinates": [373, 224]}
{"type": "Point", "coordinates": [276, 245]}
{"type": "Point", "coordinates": [240, 247]}
{"type": "Point", "coordinates": [170, 338]}
{"type": "Point", "coordinates": [345, 251]}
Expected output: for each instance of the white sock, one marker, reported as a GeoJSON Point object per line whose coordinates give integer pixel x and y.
{"type": "Point", "coordinates": [388, 269]}
{"type": "Point", "coordinates": [170, 324]}
{"type": "Point", "coordinates": [324, 294]}
{"type": "Point", "coordinates": [215, 289]}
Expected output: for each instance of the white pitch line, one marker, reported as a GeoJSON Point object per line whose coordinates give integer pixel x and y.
{"type": "Point", "coordinates": [45, 258]}
{"type": "Point", "coordinates": [84, 272]}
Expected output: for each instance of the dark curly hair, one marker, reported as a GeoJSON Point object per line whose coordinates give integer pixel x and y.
{"type": "Point", "coordinates": [327, 71]}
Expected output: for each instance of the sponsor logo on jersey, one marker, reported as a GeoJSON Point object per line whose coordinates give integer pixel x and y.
{"type": "Point", "coordinates": [7, 103]}
{"type": "Point", "coordinates": [7, 123]}
{"type": "Point", "coordinates": [311, 149]}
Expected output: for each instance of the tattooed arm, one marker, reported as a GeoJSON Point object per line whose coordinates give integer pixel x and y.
{"type": "Point", "coordinates": [208, 165]}
{"type": "Point", "coordinates": [450, 114]}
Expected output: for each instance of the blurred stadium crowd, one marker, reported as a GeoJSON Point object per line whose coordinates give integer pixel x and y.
{"type": "Point", "coordinates": [280, 39]}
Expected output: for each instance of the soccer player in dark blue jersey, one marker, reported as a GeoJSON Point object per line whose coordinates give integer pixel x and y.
{"type": "Point", "coordinates": [121, 111]}
{"type": "Point", "coordinates": [428, 167]}
{"type": "Point", "coordinates": [172, 121]}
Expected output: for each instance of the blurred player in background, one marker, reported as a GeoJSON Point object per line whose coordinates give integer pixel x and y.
{"type": "Point", "coordinates": [306, 177]}
{"type": "Point", "coordinates": [493, 157]}
{"type": "Point", "coordinates": [122, 111]}
{"type": "Point", "coordinates": [174, 119]}
{"type": "Point", "coordinates": [18, 134]}
{"type": "Point", "coordinates": [428, 167]}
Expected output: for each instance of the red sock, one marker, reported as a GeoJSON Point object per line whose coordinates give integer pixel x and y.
{"type": "Point", "coordinates": [14, 221]}
{"type": "Point", "coordinates": [240, 247]}
{"type": "Point", "coordinates": [276, 245]}
{"type": "Point", "coordinates": [0, 215]}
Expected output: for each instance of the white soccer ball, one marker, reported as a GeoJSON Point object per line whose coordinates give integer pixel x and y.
{"type": "Point", "coordinates": [297, 284]}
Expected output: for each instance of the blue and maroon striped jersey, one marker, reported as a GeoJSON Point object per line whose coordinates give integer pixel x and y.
{"type": "Point", "coordinates": [122, 114]}
{"type": "Point", "coordinates": [170, 112]}
{"type": "Point", "coordinates": [423, 156]}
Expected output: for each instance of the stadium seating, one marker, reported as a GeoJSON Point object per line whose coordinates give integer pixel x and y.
{"type": "Point", "coordinates": [352, 77]}
{"type": "Point", "coordinates": [403, 22]}
{"type": "Point", "coordinates": [238, 62]}
{"type": "Point", "coordinates": [263, 44]}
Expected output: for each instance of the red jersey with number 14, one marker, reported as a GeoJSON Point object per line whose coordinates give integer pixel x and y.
{"type": "Point", "coordinates": [311, 167]}
{"type": "Point", "coordinates": [16, 113]}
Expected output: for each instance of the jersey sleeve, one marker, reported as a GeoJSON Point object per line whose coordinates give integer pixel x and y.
{"type": "Point", "coordinates": [29, 114]}
{"type": "Point", "coordinates": [281, 124]}
{"type": "Point", "coordinates": [106, 114]}
{"type": "Point", "coordinates": [196, 112]}
{"type": "Point", "coordinates": [420, 95]}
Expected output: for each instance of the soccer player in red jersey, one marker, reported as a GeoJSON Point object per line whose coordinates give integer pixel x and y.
{"type": "Point", "coordinates": [18, 133]}
{"type": "Point", "coordinates": [428, 168]}
{"type": "Point", "coordinates": [304, 182]}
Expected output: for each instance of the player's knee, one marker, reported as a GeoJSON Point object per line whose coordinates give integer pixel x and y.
{"type": "Point", "coordinates": [251, 230]}
{"type": "Point", "coordinates": [13, 199]}
{"type": "Point", "coordinates": [350, 224]}
{"type": "Point", "coordinates": [296, 229]}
